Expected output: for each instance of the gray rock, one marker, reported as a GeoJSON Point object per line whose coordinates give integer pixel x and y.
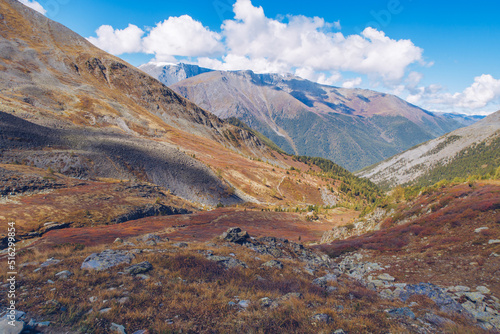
{"type": "Point", "coordinates": [93, 299]}
{"type": "Point", "coordinates": [339, 331]}
{"type": "Point", "coordinates": [138, 268]}
{"type": "Point", "coordinates": [386, 277]}
{"type": "Point", "coordinates": [322, 281]}
{"type": "Point", "coordinates": [387, 294]}
{"type": "Point", "coordinates": [106, 259]}
{"type": "Point", "coordinates": [244, 303]}
{"type": "Point", "coordinates": [6, 328]}
{"type": "Point", "coordinates": [50, 281]}
{"type": "Point", "coordinates": [460, 288]}
{"type": "Point", "coordinates": [117, 328]}
{"type": "Point", "coordinates": [149, 237]}
{"type": "Point", "coordinates": [227, 261]}
{"type": "Point", "coordinates": [291, 295]}
{"type": "Point", "coordinates": [235, 235]}
{"type": "Point", "coordinates": [265, 302]}
{"type": "Point", "coordinates": [482, 289]}
{"type": "Point", "coordinates": [143, 277]}
{"type": "Point", "coordinates": [401, 312]}
{"type": "Point", "coordinates": [123, 300]}
{"type": "Point", "coordinates": [43, 324]}
{"type": "Point", "coordinates": [141, 331]}
{"type": "Point", "coordinates": [444, 301]}
{"type": "Point", "coordinates": [493, 241]}
{"type": "Point", "coordinates": [474, 296]}
{"type": "Point", "coordinates": [322, 317]}
{"type": "Point", "coordinates": [180, 244]}
{"type": "Point", "coordinates": [273, 264]}
{"type": "Point", "coordinates": [479, 229]}
{"type": "Point", "coordinates": [437, 320]}
{"type": "Point", "coordinates": [105, 310]}
{"type": "Point", "coordinates": [49, 262]}
{"type": "Point", "coordinates": [65, 274]}
{"type": "Point", "coordinates": [331, 289]}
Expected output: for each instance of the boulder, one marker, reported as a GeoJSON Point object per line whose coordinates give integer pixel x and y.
{"type": "Point", "coordinates": [115, 328]}
{"type": "Point", "coordinates": [244, 303]}
{"type": "Point", "coordinates": [436, 320]}
{"type": "Point", "coordinates": [138, 268]}
{"type": "Point", "coordinates": [482, 289]}
{"type": "Point", "coordinates": [322, 317]}
{"type": "Point", "coordinates": [235, 235]}
{"type": "Point", "coordinates": [386, 277]}
{"type": "Point", "coordinates": [265, 302]}
{"type": "Point", "coordinates": [227, 261]}
{"type": "Point", "coordinates": [444, 301]}
{"type": "Point", "coordinates": [401, 312]}
{"type": "Point", "coordinates": [65, 274]}
{"type": "Point", "coordinates": [106, 259]}
{"type": "Point", "coordinates": [273, 264]}
{"type": "Point", "coordinates": [49, 262]}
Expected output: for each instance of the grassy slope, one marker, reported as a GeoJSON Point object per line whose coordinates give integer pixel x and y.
{"type": "Point", "coordinates": [435, 230]}
{"type": "Point", "coordinates": [481, 159]}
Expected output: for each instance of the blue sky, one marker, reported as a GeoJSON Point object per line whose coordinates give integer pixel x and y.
{"type": "Point", "coordinates": [440, 55]}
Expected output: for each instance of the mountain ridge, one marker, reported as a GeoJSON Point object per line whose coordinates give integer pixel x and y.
{"type": "Point", "coordinates": [417, 162]}
{"type": "Point", "coordinates": [352, 127]}
{"type": "Point", "coordinates": [71, 107]}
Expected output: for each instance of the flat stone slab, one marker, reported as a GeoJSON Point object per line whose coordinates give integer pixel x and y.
{"type": "Point", "coordinates": [106, 259]}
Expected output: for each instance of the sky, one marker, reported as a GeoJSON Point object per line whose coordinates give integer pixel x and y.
{"type": "Point", "coordinates": [439, 55]}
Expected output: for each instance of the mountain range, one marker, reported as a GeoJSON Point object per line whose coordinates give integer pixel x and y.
{"type": "Point", "coordinates": [473, 150]}
{"type": "Point", "coordinates": [352, 127]}
{"type": "Point", "coordinates": [71, 107]}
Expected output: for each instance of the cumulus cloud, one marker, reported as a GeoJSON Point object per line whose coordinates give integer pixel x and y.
{"type": "Point", "coordinates": [177, 36]}
{"type": "Point", "coordinates": [484, 90]}
{"type": "Point", "coordinates": [294, 44]}
{"type": "Point", "coordinates": [34, 5]}
{"type": "Point", "coordinates": [118, 41]}
{"type": "Point", "coordinates": [181, 36]}
{"type": "Point", "coordinates": [309, 42]}
{"type": "Point", "coordinates": [481, 97]}
{"type": "Point", "coordinates": [352, 83]}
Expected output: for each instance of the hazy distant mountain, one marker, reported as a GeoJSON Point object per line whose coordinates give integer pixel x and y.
{"type": "Point", "coordinates": [352, 127]}
{"type": "Point", "coordinates": [169, 73]}
{"type": "Point", "coordinates": [466, 120]}
{"type": "Point", "coordinates": [471, 150]}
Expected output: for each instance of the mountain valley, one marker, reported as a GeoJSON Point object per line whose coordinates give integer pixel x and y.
{"type": "Point", "coordinates": [225, 202]}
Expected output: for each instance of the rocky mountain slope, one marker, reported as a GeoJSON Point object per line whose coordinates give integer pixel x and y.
{"type": "Point", "coordinates": [67, 105]}
{"type": "Point", "coordinates": [471, 150]}
{"type": "Point", "coordinates": [169, 74]}
{"type": "Point", "coordinates": [352, 127]}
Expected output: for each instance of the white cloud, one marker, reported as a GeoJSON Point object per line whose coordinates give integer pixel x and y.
{"type": "Point", "coordinates": [181, 36]}
{"type": "Point", "coordinates": [309, 47]}
{"type": "Point", "coordinates": [484, 90]}
{"type": "Point", "coordinates": [308, 73]}
{"type": "Point", "coordinates": [352, 83]}
{"type": "Point", "coordinates": [118, 41]}
{"type": "Point", "coordinates": [481, 97]}
{"type": "Point", "coordinates": [34, 5]}
{"type": "Point", "coordinates": [307, 42]}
